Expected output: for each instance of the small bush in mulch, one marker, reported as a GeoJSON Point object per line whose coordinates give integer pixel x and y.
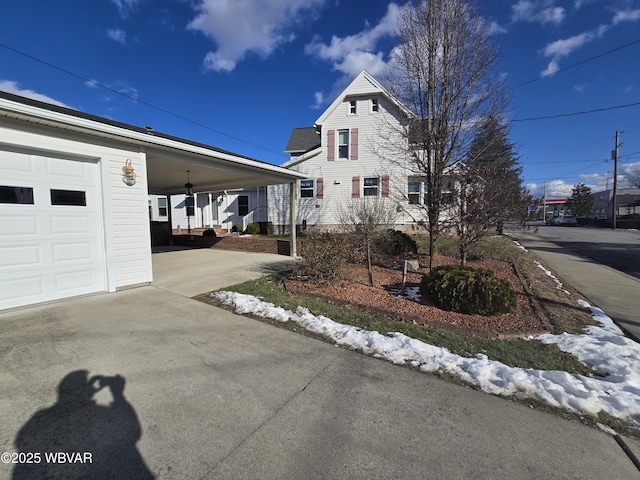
{"type": "Point", "coordinates": [210, 232]}
{"type": "Point", "coordinates": [467, 290]}
{"type": "Point", "coordinates": [253, 228]}
{"type": "Point", "coordinates": [324, 255]}
{"type": "Point", "coordinates": [397, 243]}
{"type": "Point", "coordinates": [236, 228]}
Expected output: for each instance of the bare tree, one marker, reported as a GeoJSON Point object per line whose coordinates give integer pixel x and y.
{"type": "Point", "coordinates": [367, 219]}
{"type": "Point", "coordinates": [444, 72]}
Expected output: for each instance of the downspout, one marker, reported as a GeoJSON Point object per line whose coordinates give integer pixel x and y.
{"type": "Point", "coordinates": [292, 219]}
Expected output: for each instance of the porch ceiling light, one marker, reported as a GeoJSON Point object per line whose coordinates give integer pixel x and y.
{"type": "Point", "coordinates": [188, 187]}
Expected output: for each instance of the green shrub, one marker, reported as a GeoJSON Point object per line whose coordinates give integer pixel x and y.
{"type": "Point", "coordinates": [324, 255]}
{"type": "Point", "coordinates": [466, 290]}
{"type": "Point", "coordinates": [253, 228]}
{"type": "Point", "coordinates": [236, 228]}
{"type": "Point", "coordinates": [209, 232]}
{"type": "Point", "coordinates": [398, 243]}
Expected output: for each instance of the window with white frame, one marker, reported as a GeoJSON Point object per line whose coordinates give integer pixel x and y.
{"type": "Point", "coordinates": [417, 191]}
{"type": "Point", "coordinates": [306, 188]}
{"type": "Point", "coordinates": [371, 186]}
{"type": "Point", "coordinates": [162, 206]}
{"type": "Point", "coordinates": [353, 107]}
{"type": "Point", "coordinates": [413, 191]}
{"type": "Point", "coordinates": [374, 105]}
{"type": "Point", "coordinates": [343, 144]}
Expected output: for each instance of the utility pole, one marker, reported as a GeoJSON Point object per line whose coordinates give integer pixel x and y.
{"type": "Point", "coordinates": [614, 155]}
{"type": "Point", "coordinates": [544, 203]}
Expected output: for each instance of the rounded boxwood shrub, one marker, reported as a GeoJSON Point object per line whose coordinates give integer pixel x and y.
{"type": "Point", "coordinates": [209, 232]}
{"type": "Point", "coordinates": [236, 228]}
{"type": "Point", "coordinates": [253, 228]}
{"type": "Point", "coordinates": [467, 290]}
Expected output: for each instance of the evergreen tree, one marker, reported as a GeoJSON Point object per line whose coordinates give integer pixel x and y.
{"type": "Point", "coordinates": [581, 201]}
{"type": "Point", "coordinates": [489, 184]}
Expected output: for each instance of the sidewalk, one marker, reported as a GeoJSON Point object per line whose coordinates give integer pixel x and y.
{"type": "Point", "coordinates": [617, 293]}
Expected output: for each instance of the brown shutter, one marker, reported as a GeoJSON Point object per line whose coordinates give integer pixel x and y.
{"type": "Point", "coordinates": [319, 188]}
{"type": "Point", "coordinates": [354, 144]}
{"type": "Point", "coordinates": [385, 185]}
{"type": "Point", "coordinates": [331, 145]}
{"type": "Point", "coordinates": [355, 185]}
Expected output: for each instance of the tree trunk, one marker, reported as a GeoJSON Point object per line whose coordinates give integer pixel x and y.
{"type": "Point", "coordinates": [368, 240]}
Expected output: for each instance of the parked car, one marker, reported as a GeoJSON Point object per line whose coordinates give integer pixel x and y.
{"type": "Point", "coordinates": [565, 220]}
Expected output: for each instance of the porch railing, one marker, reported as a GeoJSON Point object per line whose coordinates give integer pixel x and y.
{"type": "Point", "coordinates": [255, 215]}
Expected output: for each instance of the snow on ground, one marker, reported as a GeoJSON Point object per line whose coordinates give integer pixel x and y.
{"type": "Point", "coordinates": [410, 293]}
{"type": "Point", "coordinates": [520, 246]}
{"type": "Point", "coordinates": [559, 285]}
{"type": "Point", "coordinates": [604, 348]}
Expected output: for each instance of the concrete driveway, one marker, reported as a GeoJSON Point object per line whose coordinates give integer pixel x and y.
{"type": "Point", "coordinates": [210, 394]}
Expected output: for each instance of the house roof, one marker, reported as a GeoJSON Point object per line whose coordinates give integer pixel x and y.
{"type": "Point", "coordinates": [302, 140]}
{"type": "Point", "coordinates": [168, 157]}
{"type": "Point", "coordinates": [363, 84]}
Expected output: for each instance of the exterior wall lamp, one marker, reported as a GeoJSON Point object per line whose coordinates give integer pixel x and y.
{"type": "Point", "coordinates": [128, 174]}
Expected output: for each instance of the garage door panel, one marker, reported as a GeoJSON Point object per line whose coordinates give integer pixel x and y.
{"type": "Point", "coordinates": [21, 287]}
{"type": "Point", "coordinates": [68, 171]}
{"type": "Point", "coordinates": [49, 251]}
{"type": "Point", "coordinates": [69, 252]}
{"type": "Point", "coordinates": [16, 163]}
{"type": "Point", "coordinates": [19, 225]}
{"type": "Point", "coordinates": [23, 256]}
{"type": "Point", "coordinates": [68, 224]}
{"type": "Point", "coordinates": [74, 282]}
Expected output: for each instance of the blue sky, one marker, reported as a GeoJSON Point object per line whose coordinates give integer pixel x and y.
{"type": "Point", "coordinates": [241, 74]}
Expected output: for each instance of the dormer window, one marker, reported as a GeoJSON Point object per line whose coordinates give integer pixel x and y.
{"type": "Point", "coordinates": [374, 105]}
{"type": "Point", "coordinates": [352, 107]}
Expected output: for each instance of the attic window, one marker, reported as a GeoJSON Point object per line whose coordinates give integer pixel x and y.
{"type": "Point", "coordinates": [374, 105]}
{"type": "Point", "coordinates": [352, 107]}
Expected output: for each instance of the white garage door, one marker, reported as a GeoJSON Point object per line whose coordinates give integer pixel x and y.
{"type": "Point", "coordinates": [51, 240]}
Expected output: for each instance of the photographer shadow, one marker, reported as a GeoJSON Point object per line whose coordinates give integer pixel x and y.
{"type": "Point", "coordinates": [78, 438]}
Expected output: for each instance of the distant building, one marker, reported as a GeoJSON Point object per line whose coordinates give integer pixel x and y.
{"type": "Point", "coordinates": [627, 203]}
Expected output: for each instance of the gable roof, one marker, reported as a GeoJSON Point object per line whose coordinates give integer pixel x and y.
{"type": "Point", "coordinates": [302, 140]}
{"type": "Point", "coordinates": [363, 84]}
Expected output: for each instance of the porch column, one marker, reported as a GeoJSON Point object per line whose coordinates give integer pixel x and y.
{"type": "Point", "coordinates": [292, 218]}
{"type": "Point", "coordinates": [170, 219]}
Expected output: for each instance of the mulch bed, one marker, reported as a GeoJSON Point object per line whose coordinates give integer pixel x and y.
{"type": "Point", "coordinates": [353, 289]}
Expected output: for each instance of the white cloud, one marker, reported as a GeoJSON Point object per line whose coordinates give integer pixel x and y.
{"type": "Point", "coordinates": [564, 47]}
{"type": "Point", "coordinates": [125, 6]}
{"type": "Point", "coordinates": [580, 88]}
{"type": "Point", "coordinates": [354, 53]}
{"type": "Point", "coordinates": [626, 16]}
{"type": "Point", "coordinates": [13, 87]}
{"type": "Point", "coordinates": [242, 26]}
{"type": "Point", "coordinates": [555, 189]}
{"type": "Point", "coordinates": [117, 35]}
{"type": "Point", "coordinates": [496, 28]}
{"type": "Point", "coordinates": [319, 96]}
{"type": "Point", "coordinates": [351, 54]}
{"type": "Point", "coordinates": [537, 11]}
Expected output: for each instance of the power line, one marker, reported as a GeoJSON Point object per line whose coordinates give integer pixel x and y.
{"type": "Point", "coordinates": [578, 64]}
{"type": "Point", "coordinates": [142, 102]}
{"type": "Point", "coordinates": [586, 112]}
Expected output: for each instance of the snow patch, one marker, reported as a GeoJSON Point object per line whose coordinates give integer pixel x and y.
{"type": "Point", "coordinates": [602, 347]}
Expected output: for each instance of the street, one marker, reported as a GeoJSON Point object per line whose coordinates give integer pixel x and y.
{"type": "Point", "coordinates": [619, 249]}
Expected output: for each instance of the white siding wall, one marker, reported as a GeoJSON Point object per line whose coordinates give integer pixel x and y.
{"type": "Point", "coordinates": [373, 160]}
{"type": "Point", "coordinates": [124, 209]}
{"type": "Point", "coordinates": [129, 219]}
